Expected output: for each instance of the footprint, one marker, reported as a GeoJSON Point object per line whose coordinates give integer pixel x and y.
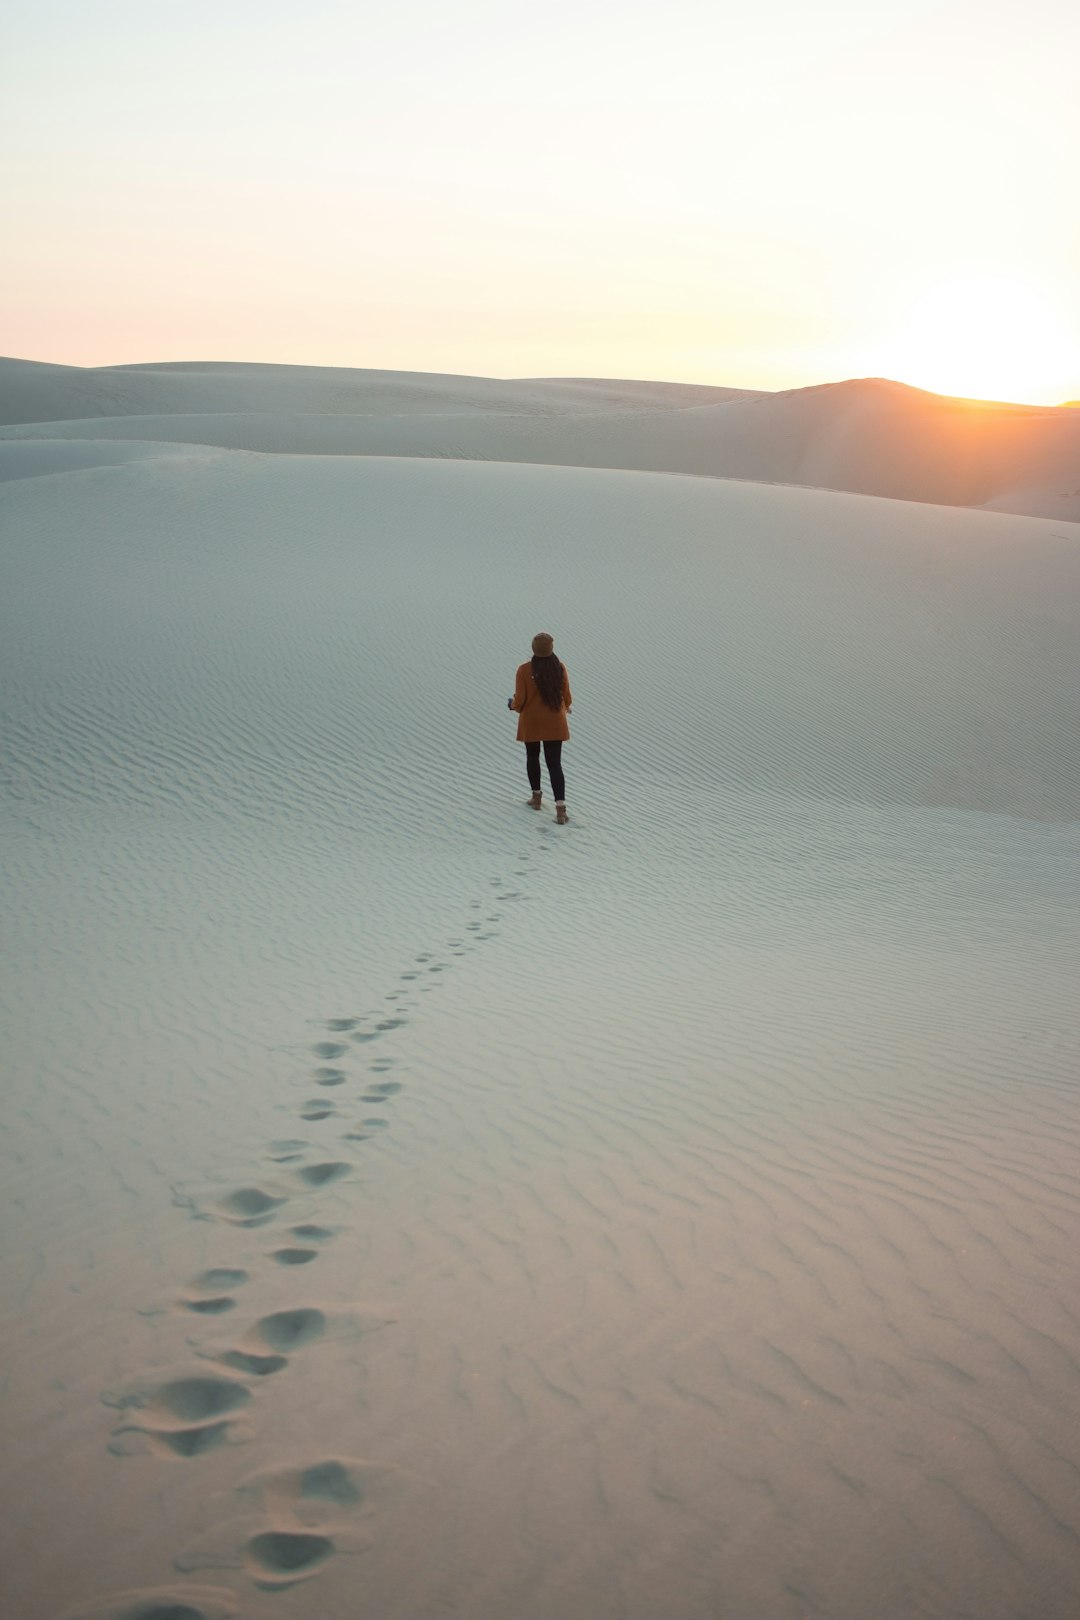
{"type": "Point", "coordinates": [329, 1050]}
{"type": "Point", "coordinates": [248, 1206]}
{"type": "Point", "coordinates": [216, 1306]}
{"type": "Point", "coordinates": [220, 1277]}
{"type": "Point", "coordinates": [330, 1077]}
{"type": "Point", "coordinates": [273, 1557]}
{"type": "Point", "coordinates": [182, 1416]}
{"type": "Point", "coordinates": [286, 1151]}
{"type": "Point", "coordinates": [315, 1109]}
{"type": "Point", "coordinates": [286, 1331]}
{"type": "Point", "coordinates": [283, 1524]}
{"type": "Point", "coordinates": [160, 1603]}
{"type": "Point", "coordinates": [374, 1123]}
{"type": "Point", "coordinates": [208, 1292]}
{"type": "Point", "coordinates": [252, 1363]}
{"type": "Point", "coordinates": [309, 1233]}
{"type": "Point", "coordinates": [383, 1088]}
{"type": "Point", "coordinates": [281, 1557]}
{"type": "Point", "coordinates": [294, 1256]}
{"type": "Point", "coordinates": [313, 1494]}
{"type": "Point", "coordinates": [391, 1023]}
{"type": "Point", "coordinates": [340, 1025]}
{"type": "Point", "coordinates": [318, 1175]}
{"type": "Point", "coordinates": [330, 1481]}
{"type": "Point", "coordinates": [266, 1346]}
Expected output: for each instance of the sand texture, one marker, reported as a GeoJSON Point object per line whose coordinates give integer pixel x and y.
{"type": "Point", "coordinates": [414, 1209]}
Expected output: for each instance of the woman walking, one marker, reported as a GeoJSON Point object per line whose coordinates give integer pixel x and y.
{"type": "Point", "coordinates": [542, 701]}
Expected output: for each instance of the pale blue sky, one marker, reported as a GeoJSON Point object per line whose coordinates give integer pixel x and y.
{"type": "Point", "coordinates": [768, 198]}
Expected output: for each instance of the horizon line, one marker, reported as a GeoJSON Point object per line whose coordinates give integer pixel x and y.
{"type": "Point", "coordinates": [765, 393]}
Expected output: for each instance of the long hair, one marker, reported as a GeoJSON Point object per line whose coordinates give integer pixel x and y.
{"type": "Point", "coordinates": [550, 678]}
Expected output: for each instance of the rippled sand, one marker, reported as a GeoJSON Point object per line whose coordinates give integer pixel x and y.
{"type": "Point", "coordinates": [418, 1209]}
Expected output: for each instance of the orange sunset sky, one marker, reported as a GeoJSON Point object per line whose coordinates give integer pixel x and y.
{"type": "Point", "coordinates": [764, 197]}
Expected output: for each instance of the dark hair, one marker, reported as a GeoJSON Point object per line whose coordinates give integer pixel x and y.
{"type": "Point", "coordinates": [550, 678]}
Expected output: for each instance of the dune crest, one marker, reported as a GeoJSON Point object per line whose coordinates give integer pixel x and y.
{"type": "Point", "coordinates": [870, 436]}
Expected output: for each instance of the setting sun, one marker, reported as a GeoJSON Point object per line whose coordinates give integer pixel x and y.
{"type": "Point", "coordinates": [983, 337]}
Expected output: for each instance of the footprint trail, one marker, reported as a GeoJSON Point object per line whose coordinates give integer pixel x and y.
{"type": "Point", "coordinates": [303, 1515]}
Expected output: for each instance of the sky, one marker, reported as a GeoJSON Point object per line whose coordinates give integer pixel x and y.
{"type": "Point", "coordinates": [765, 196]}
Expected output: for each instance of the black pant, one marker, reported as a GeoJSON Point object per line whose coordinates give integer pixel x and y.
{"type": "Point", "coordinates": [553, 761]}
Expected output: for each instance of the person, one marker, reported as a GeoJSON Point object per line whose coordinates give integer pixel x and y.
{"type": "Point", "coordinates": [542, 702]}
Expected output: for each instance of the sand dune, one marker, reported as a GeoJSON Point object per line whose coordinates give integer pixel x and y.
{"type": "Point", "coordinates": [32, 392]}
{"type": "Point", "coordinates": [869, 437]}
{"type": "Point", "coordinates": [416, 1207]}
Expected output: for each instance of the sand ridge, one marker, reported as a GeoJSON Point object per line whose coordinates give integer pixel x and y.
{"type": "Point", "coordinates": [868, 436]}
{"type": "Point", "coordinates": [33, 392]}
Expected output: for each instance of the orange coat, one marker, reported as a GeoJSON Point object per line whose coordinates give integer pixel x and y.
{"type": "Point", "coordinates": [536, 722]}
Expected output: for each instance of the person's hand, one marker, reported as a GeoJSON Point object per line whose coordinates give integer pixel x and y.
{"type": "Point", "coordinates": [509, 703]}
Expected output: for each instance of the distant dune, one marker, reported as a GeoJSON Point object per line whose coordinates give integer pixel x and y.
{"type": "Point", "coordinates": [31, 392]}
{"type": "Point", "coordinates": [868, 436]}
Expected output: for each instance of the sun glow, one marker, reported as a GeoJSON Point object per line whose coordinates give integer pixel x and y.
{"type": "Point", "coordinates": [983, 337]}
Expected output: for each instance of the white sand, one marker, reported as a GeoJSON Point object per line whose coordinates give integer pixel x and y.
{"type": "Point", "coordinates": [869, 437]}
{"type": "Point", "coordinates": [695, 1191]}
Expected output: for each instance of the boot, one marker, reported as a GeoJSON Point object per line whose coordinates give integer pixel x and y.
{"type": "Point", "coordinates": [560, 812]}
{"type": "Point", "coordinates": [536, 800]}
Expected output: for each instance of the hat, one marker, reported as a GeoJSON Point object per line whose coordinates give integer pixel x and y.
{"type": "Point", "coordinates": [543, 645]}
